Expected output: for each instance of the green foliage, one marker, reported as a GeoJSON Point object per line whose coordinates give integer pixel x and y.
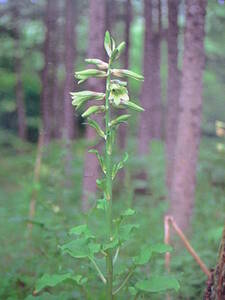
{"type": "Point", "coordinates": [87, 244]}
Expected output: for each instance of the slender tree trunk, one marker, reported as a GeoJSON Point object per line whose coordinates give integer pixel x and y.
{"type": "Point", "coordinates": [144, 131]}
{"type": "Point", "coordinates": [69, 116]}
{"type": "Point", "coordinates": [156, 107]}
{"type": "Point", "coordinates": [21, 113]}
{"type": "Point", "coordinates": [172, 88]}
{"type": "Point", "coordinates": [46, 82]}
{"type": "Point", "coordinates": [150, 121]}
{"type": "Point", "coordinates": [97, 11]}
{"type": "Point", "coordinates": [57, 104]}
{"type": "Point", "coordinates": [122, 131]}
{"type": "Point", "coordinates": [188, 134]}
{"type": "Point", "coordinates": [20, 104]}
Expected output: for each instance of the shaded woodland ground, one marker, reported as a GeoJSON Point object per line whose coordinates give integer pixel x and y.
{"type": "Point", "coordinates": [176, 146]}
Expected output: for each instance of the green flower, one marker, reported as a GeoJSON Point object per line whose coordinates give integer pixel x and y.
{"type": "Point", "coordinates": [118, 94]}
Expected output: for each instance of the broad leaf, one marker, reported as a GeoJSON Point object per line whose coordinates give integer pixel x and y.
{"type": "Point", "coordinates": [156, 284]}
{"type": "Point", "coordinates": [53, 280]}
{"type": "Point", "coordinates": [81, 248]}
{"type": "Point", "coordinates": [107, 43]}
{"type": "Point", "coordinates": [82, 230]}
{"type": "Point", "coordinates": [147, 251]}
{"type": "Point", "coordinates": [113, 244]}
{"type": "Point", "coordinates": [126, 230]}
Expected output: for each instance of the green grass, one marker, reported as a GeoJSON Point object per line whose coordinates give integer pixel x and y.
{"type": "Point", "coordinates": [24, 260]}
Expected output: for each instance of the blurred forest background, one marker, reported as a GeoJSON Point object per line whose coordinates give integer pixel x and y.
{"type": "Point", "coordinates": [176, 146]}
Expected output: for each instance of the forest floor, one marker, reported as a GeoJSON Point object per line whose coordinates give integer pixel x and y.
{"type": "Point", "coordinates": [25, 258]}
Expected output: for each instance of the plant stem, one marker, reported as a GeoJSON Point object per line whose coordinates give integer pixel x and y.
{"type": "Point", "coordinates": [124, 281]}
{"type": "Point", "coordinates": [98, 270]}
{"type": "Point", "coordinates": [108, 193]}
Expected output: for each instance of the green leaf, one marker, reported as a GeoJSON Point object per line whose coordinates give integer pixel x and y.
{"type": "Point", "coordinates": [84, 75]}
{"type": "Point", "coordinates": [107, 43]}
{"type": "Point", "coordinates": [77, 248]}
{"type": "Point", "coordinates": [100, 159]}
{"type": "Point", "coordinates": [113, 244]}
{"type": "Point", "coordinates": [93, 110]}
{"type": "Point", "coordinates": [156, 284]}
{"type": "Point", "coordinates": [81, 248]}
{"type": "Point", "coordinates": [96, 126]}
{"type": "Point", "coordinates": [120, 49]}
{"type": "Point", "coordinates": [82, 230]}
{"type": "Point", "coordinates": [119, 165]}
{"type": "Point", "coordinates": [101, 183]}
{"type": "Point", "coordinates": [128, 212]}
{"type": "Point", "coordinates": [80, 98]}
{"type": "Point", "coordinates": [133, 106]}
{"type": "Point", "coordinates": [98, 62]}
{"type": "Point", "coordinates": [101, 204]}
{"type": "Point", "coordinates": [126, 230]}
{"type": "Point", "coordinates": [53, 280]}
{"type": "Point", "coordinates": [147, 251]}
{"type": "Point", "coordinates": [127, 73]}
{"type": "Point", "coordinates": [119, 120]}
{"type": "Point", "coordinates": [132, 290]}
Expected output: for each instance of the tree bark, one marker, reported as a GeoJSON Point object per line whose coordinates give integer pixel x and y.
{"type": "Point", "coordinates": [188, 133]}
{"type": "Point", "coordinates": [122, 131]}
{"type": "Point", "coordinates": [144, 130]}
{"type": "Point", "coordinates": [173, 86]}
{"type": "Point", "coordinates": [46, 96]}
{"type": "Point", "coordinates": [150, 120]}
{"type": "Point", "coordinates": [69, 116]}
{"type": "Point", "coordinates": [156, 107]}
{"type": "Point", "coordinates": [215, 289]}
{"type": "Point", "coordinates": [20, 104]}
{"type": "Point", "coordinates": [97, 12]}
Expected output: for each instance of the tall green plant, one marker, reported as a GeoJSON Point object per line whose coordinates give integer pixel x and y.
{"type": "Point", "coordinates": [108, 244]}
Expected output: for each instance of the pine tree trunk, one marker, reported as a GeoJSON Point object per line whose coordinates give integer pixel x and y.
{"type": "Point", "coordinates": [144, 130]}
{"type": "Point", "coordinates": [97, 12]}
{"type": "Point", "coordinates": [172, 88]}
{"type": "Point", "coordinates": [188, 134]}
{"type": "Point", "coordinates": [69, 116]}
{"type": "Point", "coordinates": [122, 131]}
{"type": "Point", "coordinates": [156, 102]}
{"type": "Point", "coordinates": [20, 104]}
{"type": "Point", "coordinates": [46, 96]}
{"type": "Point", "coordinates": [150, 120]}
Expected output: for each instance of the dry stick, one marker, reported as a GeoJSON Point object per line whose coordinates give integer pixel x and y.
{"type": "Point", "coordinates": [37, 168]}
{"type": "Point", "coordinates": [188, 245]}
{"type": "Point", "coordinates": [167, 242]}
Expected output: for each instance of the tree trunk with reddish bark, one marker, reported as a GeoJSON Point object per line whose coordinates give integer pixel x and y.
{"type": "Point", "coordinates": [122, 131]}
{"type": "Point", "coordinates": [69, 115]}
{"type": "Point", "coordinates": [97, 12]}
{"type": "Point", "coordinates": [150, 120]}
{"type": "Point", "coordinates": [190, 110]}
{"type": "Point", "coordinates": [173, 86]}
{"type": "Point", "coordinates": [47, 74]}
